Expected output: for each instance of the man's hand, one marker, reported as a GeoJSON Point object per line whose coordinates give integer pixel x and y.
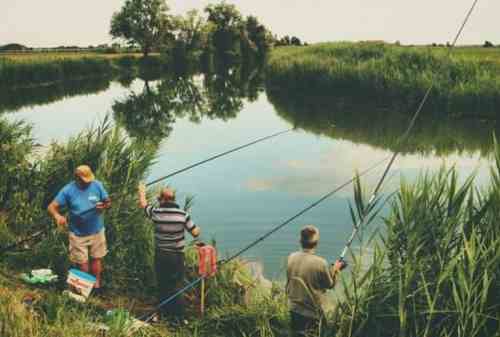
{"type": "Point", "coordinates": [339, 265]}
{"type": "Point", "coordinates": [102, 205]}
{"type": "Point", "coordinates": [61, 222]}
{"type": "Point", "coordinates": [141, 189]}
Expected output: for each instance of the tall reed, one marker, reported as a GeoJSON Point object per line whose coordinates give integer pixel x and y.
{"type": "Point", "coordinates": [25, 71]}
{"type": "Point", "coordinates": [387, 73]}
{"type": "Point", "coordinates": [436, 271]}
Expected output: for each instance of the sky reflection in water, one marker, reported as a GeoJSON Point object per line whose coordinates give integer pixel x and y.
{"type": "Point", "coordinates": [241, 196]}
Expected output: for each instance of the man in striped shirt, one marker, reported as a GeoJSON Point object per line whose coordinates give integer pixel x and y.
{"type": "Point", "coordinates": [170, 224]}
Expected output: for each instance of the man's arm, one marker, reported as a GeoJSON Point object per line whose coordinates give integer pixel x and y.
{"type": "Point", "coordinates": [327, 276]}
{"type": "Point", "coordinates": [143, 202]}
{"type": "Point", "coordinates": [53, 210]}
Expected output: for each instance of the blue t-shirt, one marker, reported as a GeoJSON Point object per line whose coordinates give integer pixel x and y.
{"type": "Point", "coordinates": [83, 217]}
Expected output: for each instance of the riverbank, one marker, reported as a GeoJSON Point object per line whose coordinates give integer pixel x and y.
{"type": "Point", "coordinates": [434, 270]}
{"type": "Point", "coordinates": [28, 70]}
{"type": "Point", "coordinates": [468, 82]}
{"type": "Point", "coordinates": [235, 305]}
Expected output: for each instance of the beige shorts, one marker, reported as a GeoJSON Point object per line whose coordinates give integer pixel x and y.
{"type": "Point", "coordinates": [81, 246]}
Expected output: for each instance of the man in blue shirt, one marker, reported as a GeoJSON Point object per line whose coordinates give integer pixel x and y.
{"type": "Point", "coordinates": [85, 198]}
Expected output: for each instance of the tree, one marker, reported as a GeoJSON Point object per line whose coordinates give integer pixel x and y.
{"type": "Point", "coordinates": [191, 36]}
{"type": "Point", "coordinates": [295, 41]}
{"type": "Point", "coordinates": [226, 22]}
{"type": "Point", "coordinates": [142, 22]}
{"type": "Point", "coordinates": [488, 44]}
{"type": "Point", "coordinates": [258, 34]}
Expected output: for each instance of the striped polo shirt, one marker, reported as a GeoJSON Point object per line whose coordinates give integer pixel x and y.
{"type": "Point", "coordinates": [170, 223]}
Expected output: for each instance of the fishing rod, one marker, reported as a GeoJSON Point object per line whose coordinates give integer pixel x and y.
{"type": "Point", "coordinates": [41, 233]}
{"type": "Point", "coordinates": [218, 156]}
{"type": "Point", "coordinates": [201, 162]}
{"type": "Point", "coordinates": [147, 317]}
{"type": "Point", "coordinates": [31, 237]}
{"type": "Point", "coordinates": [373, 199]}
{"type": "Point", "coordinates": [371, 203]}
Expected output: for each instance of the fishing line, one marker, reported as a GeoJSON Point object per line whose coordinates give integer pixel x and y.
{"type": "Point", "coordinates": [205, 161]}
{"type": "Point", "coordinates": [218, 156]}
{"type": "Point", "coordinates": [150, 315]}
{"type": "Point", "coordinates": [372, 198]}
{"type": "Point", "coordinates": [40, 233]}
{"type": "Point", "coordinates": [403, 138]}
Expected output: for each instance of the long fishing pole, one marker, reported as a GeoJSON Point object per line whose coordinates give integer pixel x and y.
{"type": "Point", "coordinates": [217, 156]}
{"type": "Point", "coordinates": [20, 242]}
{"type": "Point", "coordinates": [359, 224]}
{"type": "Point", "coordinates": [147, 317]}
{"type": "Point", "coordinates": [371, 201]}
{"type": "Point", "coordinates": [14, 245]}
{"type": "Point", "coordinates": [201, 162]}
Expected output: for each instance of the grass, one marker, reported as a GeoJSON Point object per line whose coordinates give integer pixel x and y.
{"type": "Point", "coordinates": [437, 270]}
{"type": "Point", "coordinates": [120, 164]}
{"type": "Point", "coordinates": [396, 75]}
{"type": "Point", "coordinates": [434, 271]}
{"type": "Point", "coordinates": [24, 70]}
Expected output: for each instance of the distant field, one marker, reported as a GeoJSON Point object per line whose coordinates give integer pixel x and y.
{"type": "Point", "coordinates": [477, 53]}
{"type": "Point", "coordinates": [37, 68]}
{"type": "Point", "coordinates": [48, 57]}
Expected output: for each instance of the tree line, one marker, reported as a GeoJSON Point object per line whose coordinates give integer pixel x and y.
{"type": "Point", "coordinates": [220, 32]}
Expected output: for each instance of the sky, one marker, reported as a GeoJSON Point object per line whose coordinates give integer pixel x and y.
{"type": "Point", "coordinates": [53, 23]}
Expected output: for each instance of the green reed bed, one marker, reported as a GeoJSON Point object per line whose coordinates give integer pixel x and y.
{"type": "Point", "coordinates": [32, 70]}
{"type": "Point", "coordinates": [397, 75]}
{"type": "Point", "coordinates": [436, 271]}
{"type": "Point", "coordinates": [235, 305]}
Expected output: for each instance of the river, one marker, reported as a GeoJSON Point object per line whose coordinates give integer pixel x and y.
{"type": "Point", "coordinates": [239, 197]}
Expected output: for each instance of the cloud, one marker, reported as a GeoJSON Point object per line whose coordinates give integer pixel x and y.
{"type": "Point", "coordinates": [338, 163]}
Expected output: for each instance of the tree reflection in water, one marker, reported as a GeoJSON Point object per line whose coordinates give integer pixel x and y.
{"type": "Point", "coordinates": [365, 122]}
{"type": "Point", "coordinates": [150, 114]}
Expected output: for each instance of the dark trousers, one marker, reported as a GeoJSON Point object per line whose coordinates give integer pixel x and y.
{"type": "Point", "coordinates": [170, 276]}
{"type": "Point", "coordinates": [304, 326]}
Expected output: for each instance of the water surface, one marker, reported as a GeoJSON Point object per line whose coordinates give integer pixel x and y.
{"type": "Point", "coordinates": [241, 196]}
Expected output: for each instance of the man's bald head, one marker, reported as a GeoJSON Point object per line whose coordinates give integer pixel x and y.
{"type": "Point", "coordinates": [167, 194]}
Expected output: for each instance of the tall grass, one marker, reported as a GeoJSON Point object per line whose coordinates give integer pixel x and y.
{"type": "Point", "coordinates": [437, 270]}
{"type": "Point", "coordinates": [119, 163]}
{"type": "Point", "coordinates": [398, 75]}
{"type": "Point", "coordinates": [32, 70]}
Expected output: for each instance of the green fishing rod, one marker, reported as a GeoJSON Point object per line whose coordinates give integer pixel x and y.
{"type": "Point", "coordinates": [33, 236]}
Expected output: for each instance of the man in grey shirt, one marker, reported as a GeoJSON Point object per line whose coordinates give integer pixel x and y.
{"type": "Point", "coordinates": [308, 278]}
